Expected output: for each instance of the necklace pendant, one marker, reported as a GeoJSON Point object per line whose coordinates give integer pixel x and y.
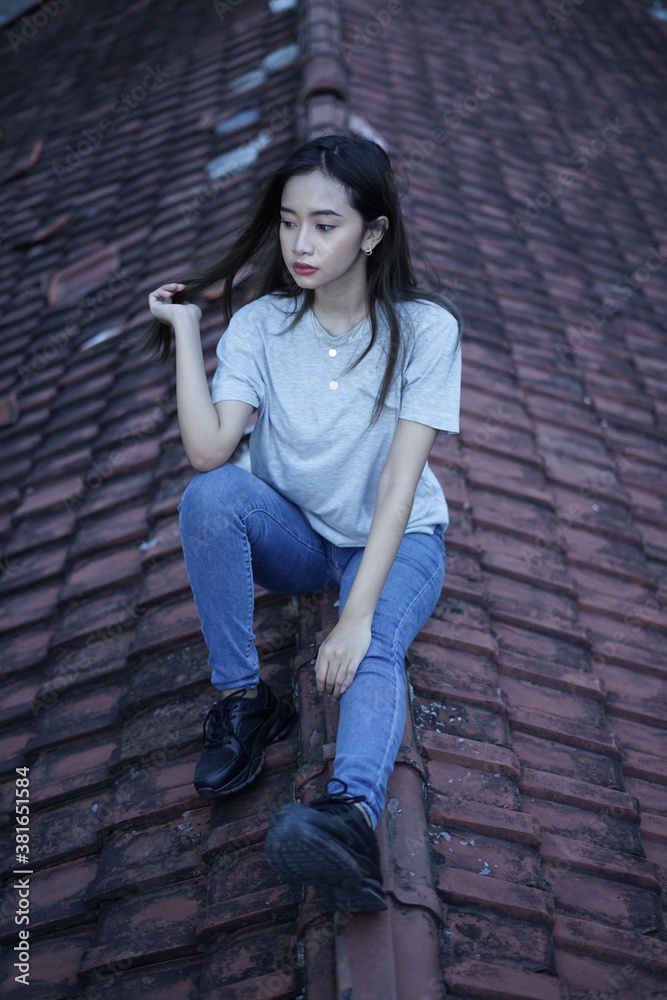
{"type": "Point", "coordinates": [333, 384]}
{"type": "Point", "coordinates": [332, 352]}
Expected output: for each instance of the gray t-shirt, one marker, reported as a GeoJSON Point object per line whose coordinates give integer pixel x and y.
{"type": "Point", "coordinates": [310, 443]}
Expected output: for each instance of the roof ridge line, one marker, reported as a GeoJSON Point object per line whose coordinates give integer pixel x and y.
{"type": "Point", "coordinates": [325, 80]}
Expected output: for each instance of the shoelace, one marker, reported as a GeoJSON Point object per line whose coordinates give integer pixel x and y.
{"type": "Point", "coordinates": [331, 799]}
{"type": "Point", "coordinates": [220, 725]}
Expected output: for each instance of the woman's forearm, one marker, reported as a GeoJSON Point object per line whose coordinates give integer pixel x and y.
{"type": "Point", "coordinates": [197, 416]}
{"type": "Point", "coordinates": [390, 519]}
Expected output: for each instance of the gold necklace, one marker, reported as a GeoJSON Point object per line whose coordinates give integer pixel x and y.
{"type": "Point", "coordinates": [332, 350]}
{"type": "Point", "coordinates": [333, 384]}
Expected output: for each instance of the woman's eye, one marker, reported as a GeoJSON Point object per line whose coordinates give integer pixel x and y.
{"type": "Point", "coordinates": [322, 226]}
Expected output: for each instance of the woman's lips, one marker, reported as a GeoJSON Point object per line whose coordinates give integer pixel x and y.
{"type": "Point", "coordinates": [303, 269]}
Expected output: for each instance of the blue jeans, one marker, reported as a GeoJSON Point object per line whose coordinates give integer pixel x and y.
{"type": "Point", "coordinates": [235, 530]}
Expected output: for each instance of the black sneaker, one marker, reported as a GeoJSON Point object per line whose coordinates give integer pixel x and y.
{"type": "Point", "coordinates": [328, 843]}
{"type": "Point", "coordinates": [238, 730]}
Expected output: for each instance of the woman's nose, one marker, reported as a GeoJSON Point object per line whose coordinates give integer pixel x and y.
{"type": "Point", "coordinates": [302, 242]}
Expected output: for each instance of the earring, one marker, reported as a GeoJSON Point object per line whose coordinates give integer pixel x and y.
{"type": "Point", "coordinates": [368, 249]}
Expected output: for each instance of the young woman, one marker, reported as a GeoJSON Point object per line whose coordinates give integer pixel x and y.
{"type": "Point", "coordinates": [352, 370]}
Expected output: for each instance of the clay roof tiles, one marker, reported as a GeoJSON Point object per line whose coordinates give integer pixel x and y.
{"type": "Point", "coordinates": [523, 844]}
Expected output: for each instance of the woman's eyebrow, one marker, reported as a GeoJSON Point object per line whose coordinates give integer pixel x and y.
{"type": "Point", "coordinates": [320, 211]}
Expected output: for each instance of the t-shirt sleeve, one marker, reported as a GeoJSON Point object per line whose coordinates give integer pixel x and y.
{"type": "Point", "coordinates": [431, 392]}
{"type": "Point", "coordinates": [238, 375]}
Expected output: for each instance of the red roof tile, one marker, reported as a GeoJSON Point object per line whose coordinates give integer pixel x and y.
{"type": "Point", "coordinates": [499, 982]}
{"type": "Point", "coordinates": [79, 716]}
{"type": "Point", "coordinates": [9, 410]}
{"type": "Point", "coordinates": [54, 965]}
{"type": "Point", "coordinates": [530, 904]}
{"type": "Point", "coordinates": [28, 568]}
{"type": "Point", "coordinates": [58, 897]}
{"type": "Point", "coordinates": [24, 163]}
{"type": "Point", "coordinates": [119, 528]}
{"type": "Point", "coordinates": [152, 927]}
{"type": "Point", "coordinates": [28, 609]}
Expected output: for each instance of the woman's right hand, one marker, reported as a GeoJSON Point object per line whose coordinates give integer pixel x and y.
{"type": "Point", "coordinates": [166, 311]}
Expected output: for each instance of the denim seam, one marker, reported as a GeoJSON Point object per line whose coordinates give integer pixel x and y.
{"type": "Point", "coordinates": [393, 650]}
{"type": "Point", "coordinates": [251, 596]}
{"type": "Point", "coordinates": [397, 699]}
{"type": "Point", "coordinates": [327, 558]}
{"type": "Point", "coordinates": [262, 510]}
{"type": "Point", "coordinates": [411, 605]}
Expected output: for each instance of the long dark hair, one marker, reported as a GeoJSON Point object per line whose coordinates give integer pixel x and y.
{"type": "Point", "coordinates": [364, 170]}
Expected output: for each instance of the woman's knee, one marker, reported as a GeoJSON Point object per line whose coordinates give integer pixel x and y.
{"type": "Point", "coordinates": [384, 661]}
{"type": "Point", "coordinates": [210, 495]}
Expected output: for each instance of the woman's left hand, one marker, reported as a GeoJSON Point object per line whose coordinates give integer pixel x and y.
{"type": "Point", "coordinates": [340, 655]}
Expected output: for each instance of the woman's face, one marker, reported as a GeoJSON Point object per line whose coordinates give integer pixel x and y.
{"type": "Point", "coordinates": [320, 231]}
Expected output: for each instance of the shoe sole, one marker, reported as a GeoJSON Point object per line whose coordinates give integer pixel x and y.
{"type": "Point", "coordinates": [303, 853]}
{"type": "Point", "coordinates": [255, 764]}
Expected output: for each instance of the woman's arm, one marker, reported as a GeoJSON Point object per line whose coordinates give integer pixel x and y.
{"type": "Point", "coordinates": [346, 645]}
{"type": "Point", "coordinates": [210, 434]}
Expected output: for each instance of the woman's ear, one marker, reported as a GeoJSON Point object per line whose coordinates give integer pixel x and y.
{"type": "Point", "coordinates": [374, 233]}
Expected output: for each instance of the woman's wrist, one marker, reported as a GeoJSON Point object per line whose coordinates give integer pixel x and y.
{"type": "Point", "coordinates": [356, 615]}
{"type": "Point", "coordinates": [186, 325]}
